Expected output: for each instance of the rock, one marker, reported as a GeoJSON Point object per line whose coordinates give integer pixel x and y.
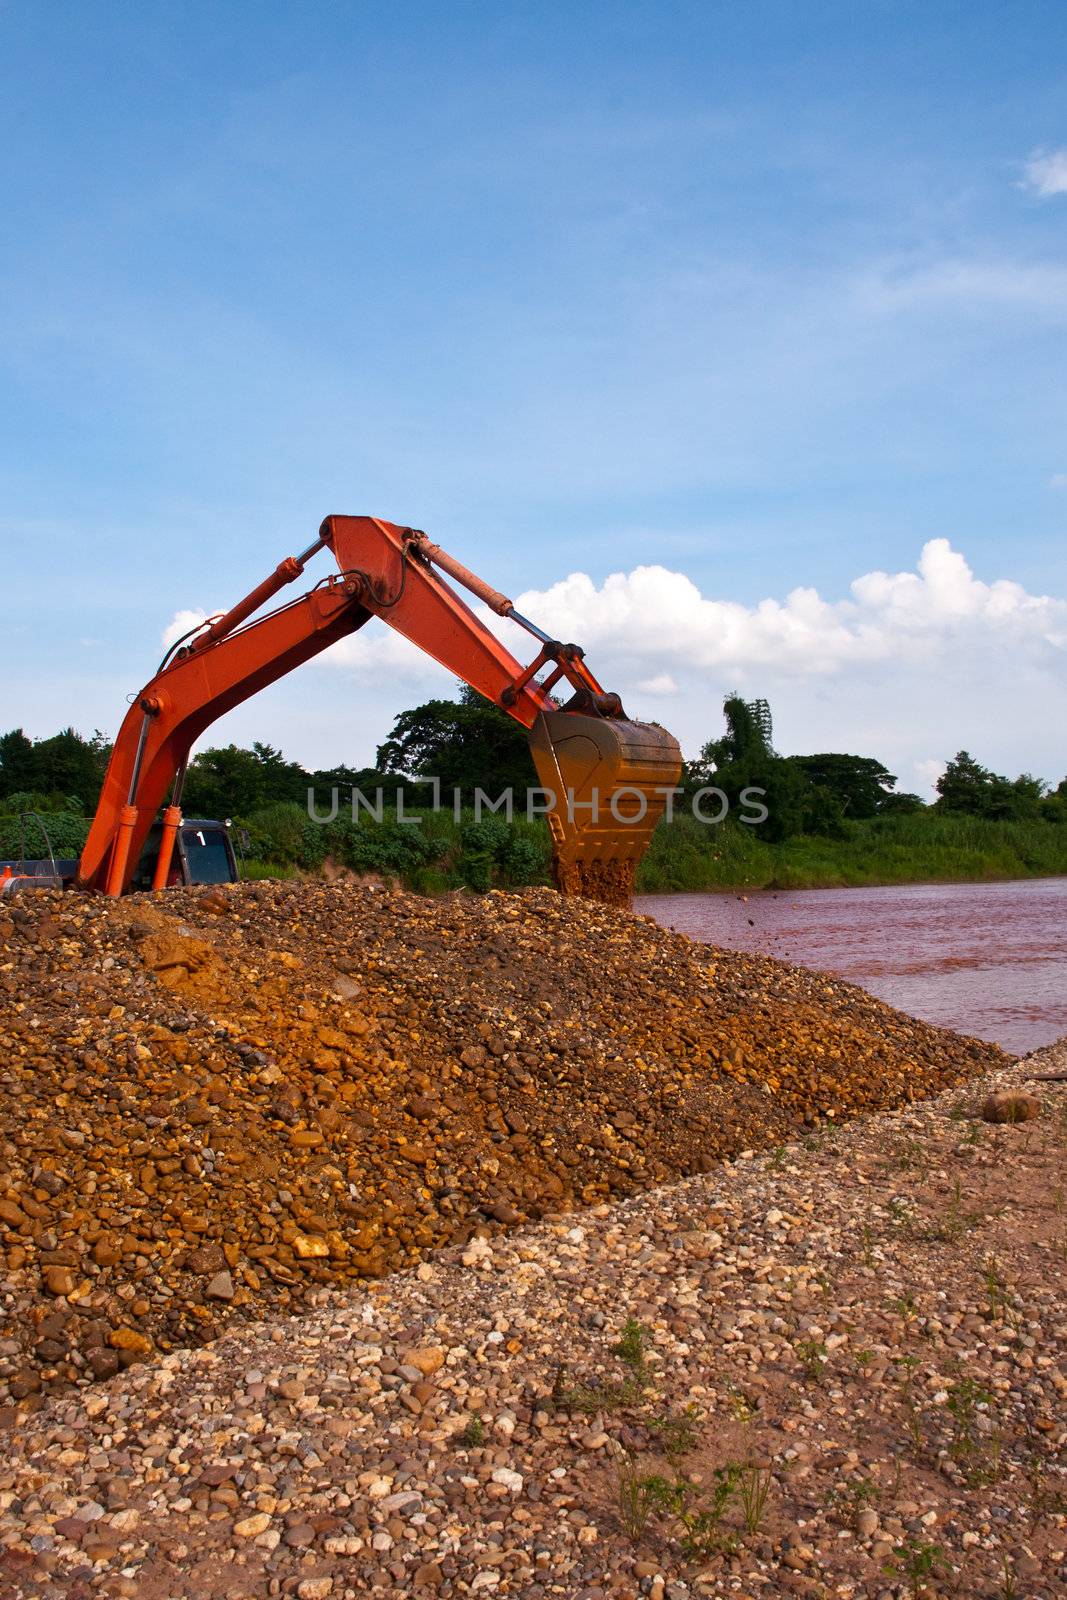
{"type": "Point", "coordinates": [508, 1479]}
{"type": "Point", "coordinates": [306, 1138]}
{"type": "Point", "coordinates": [249, 1527]}
{"type": "Point", "coordinates": [59, 1280]}
{"type": "Point", "coordinates": [1011, 1106]}
{"type": "Point", "coordinates": [129, 1339]}
{"type": "Point", "coordinates": [220, 1287]}
{"type": "Point", "coordinates": [309, 1246]}
{"type": "Point", "coordinates": [315, 1588]}
{"type": "Point", "coordinates": [427, 1359]}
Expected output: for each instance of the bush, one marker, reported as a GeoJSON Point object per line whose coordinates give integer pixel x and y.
{"type": "Point", "coordinates": [66, 831]}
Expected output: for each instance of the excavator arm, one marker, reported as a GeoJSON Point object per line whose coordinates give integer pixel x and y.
{"type": "Point", "coordinates": [606, 778]}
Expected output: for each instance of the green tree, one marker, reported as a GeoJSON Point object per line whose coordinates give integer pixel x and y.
{"type": "Point", "coordinates": [966, 786]}
{"type": "Point", "coordinates": [18, 767]}
{"type": "Point", "coordinates": [860, 784]}
{"type": "Point", "coordinates": [466, 743]}
{"type": "Point", "coordinates": [743, 758]}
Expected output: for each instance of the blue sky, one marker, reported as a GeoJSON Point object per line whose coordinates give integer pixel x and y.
{"type": "Point", "coordinates": [767, 296]}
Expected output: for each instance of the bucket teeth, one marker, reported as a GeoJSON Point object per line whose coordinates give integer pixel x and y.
{"type": "Point", "coordinates": [609, 779]}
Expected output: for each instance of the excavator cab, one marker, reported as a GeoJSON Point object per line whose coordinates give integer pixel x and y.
{"type": "Point", "coordinates": [203, 853]}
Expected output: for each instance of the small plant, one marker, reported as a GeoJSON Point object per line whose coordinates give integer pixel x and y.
{"type": "Point", "coordinates": [1041, 1501]}
{"type": "Point", "coordinates": [474, 1433]}
{"type": "Point", "coordinates": [1009, 1585]}
{"type": "Point", "coordinates": [631, 1347]}
{"type": "Point", "coordinates": [677, 1432]}
{"type": "Point", "coordinates": [863, 1358]}
{"type": "Point", "coordinates": [996, 1289]}
{"type": "Point", "coordinates": [639, 1495]}
{"type": "Point", "coordinates": [814, 1356]}
{"type": "Point", "coordinates": [853, 1496]}
{"type": "Point", "coordinates": [753, 1486]}
{"type": "Point", "coordinates": [702, 1532]}
{"type": "Point", "coordinates": [591, 1398]}
{"type": "Point", "coordinates": [918, 1563]}
{"type": "Point", "coordinates": [867, 1244]}
{"type": "Point", "coordinates": [914, 1418]}
{"type": "Point", "coordinates": [964, 1402]}
{"type": "Point", "coordinates": [741, 1408]}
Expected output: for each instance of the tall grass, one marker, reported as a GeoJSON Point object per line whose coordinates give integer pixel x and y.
{"type": "Point", "coordinates": [922, 847]}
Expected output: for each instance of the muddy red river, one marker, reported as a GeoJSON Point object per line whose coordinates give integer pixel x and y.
{"type": "Point", "coordinates": [985, 958]}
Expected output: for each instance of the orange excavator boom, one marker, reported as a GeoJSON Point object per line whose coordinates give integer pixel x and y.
{"type": "Point", "coordinates": [608, 777]}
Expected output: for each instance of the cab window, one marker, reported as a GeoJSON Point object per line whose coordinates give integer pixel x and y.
{"type": "Point", "coordinates": [206, 855]}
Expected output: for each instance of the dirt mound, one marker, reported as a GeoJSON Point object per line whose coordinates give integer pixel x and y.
{"type": "Point", "coordinates": [215, 1104]}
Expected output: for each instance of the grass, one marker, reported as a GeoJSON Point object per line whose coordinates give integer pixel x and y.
{"type": "Point", "coordinates": [439, 854]}
{"type": "Point", "coordinates": [924, 847]}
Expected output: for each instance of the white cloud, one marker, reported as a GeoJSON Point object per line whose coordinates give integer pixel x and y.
{"type": "Point", "coordinates": [926, 775]}
{"type": "Point", "coordinates": [899, 665]}
{"type": "Point", "coordinates": [1058, 480]}
{"type": "Point", "coordinates": [655, 618]}
{"type": "Point", "coordinates": [181, 623]}
{"type": "Point", "coordinates": [1045, 174]}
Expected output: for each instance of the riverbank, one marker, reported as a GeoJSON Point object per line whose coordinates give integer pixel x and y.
{"type": "Point", "coordinates": [837, 1368]}
{"type": "Point", "coordinates": [920, 847]}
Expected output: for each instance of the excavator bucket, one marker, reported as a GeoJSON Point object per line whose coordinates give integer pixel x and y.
{"type": "Point", "coordinates": [609, 780]}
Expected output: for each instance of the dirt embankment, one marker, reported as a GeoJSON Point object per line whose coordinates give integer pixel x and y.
{"type": "Point", "coordinates": [215, 1105]}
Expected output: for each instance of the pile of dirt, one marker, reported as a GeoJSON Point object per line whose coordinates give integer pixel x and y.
{"type": "Point", "coordinates": [215, 1104]}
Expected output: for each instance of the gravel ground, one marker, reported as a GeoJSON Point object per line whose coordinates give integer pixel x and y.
{"type": "Point", "coordinates": [213, 1104]}
{"type": "Point", "coordinates": [836, 1369]}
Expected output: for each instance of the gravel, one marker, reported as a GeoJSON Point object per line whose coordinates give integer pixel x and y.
{"type": "Point", "coordinates": [216, 1105]}
{"type": "Point", "coordinates": [869, 1320]}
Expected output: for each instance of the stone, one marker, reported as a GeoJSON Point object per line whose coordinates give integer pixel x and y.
{"type": "Point", "coordinates": [220, 1287]}
{"type": "Point", "coordinates": [1011, 1105]}
{"type": "Point", "coordinates": [59, 1281]}
{"type": "Point", "coordinates": [426, 1359]}
{"type": "Point", "coordinates": [250, 1527]}
{"type": "Point", "coordinates": [129, 1339]}
{"type": "Point", "coordinates": [314, 1588]}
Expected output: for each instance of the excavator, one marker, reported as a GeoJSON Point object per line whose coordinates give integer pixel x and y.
{"type": "Point", "coordinates": [605, 778]}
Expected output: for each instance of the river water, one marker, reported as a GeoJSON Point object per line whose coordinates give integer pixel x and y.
{"type": "Point", "coordinates": [988, 959]}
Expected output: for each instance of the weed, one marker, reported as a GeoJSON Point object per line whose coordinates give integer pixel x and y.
{"type": "Point", "coordinates": [639, 1496]}
{"type": "Point", "coordinates": [1009, 1586]}
{"type": "Point", "coordinates": [853, 1496]}
{"type": "Point", "coordinates": [863, 1358]}
{"type": "Point", "coordinates": [776, 1159]}
{"type": "Point", "coordinates": [474, 1433]}
{"type": "Point", "coordinates": [631, 1347]}
{"type": "Point", "coordinates": [741, 1407]}
{"type": "Point", "coordinates": [1041, 1501]}
{"type": "Point", "coordinates": [966, 1399]}
{"type": "Point", "coordinates": [953, 1221]}
{"type": "Point", "coordinates": [905, 1308]}
{"type": "Point", "coordinates": [754, 1485]}
{"type": "Point", "coordinates": [591, 1398]}
{"type": "Point", "coordinates": [996, 1288]}
{"type": "Point", "coordinates": [913, 1412]}
{"type": "Point", "coordinates": [677, 1432]}
{"type": "Point", "coordinates": [702, 1533]}
{"type": "Point", "coordinates": [1058, 1201]}
{"type": "Point", "coordinates": [867, 1243]}
{"type": "Point", "coordinates": [814, 1355]}
{"type": "Point", "coordinates": [918, 1563]}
